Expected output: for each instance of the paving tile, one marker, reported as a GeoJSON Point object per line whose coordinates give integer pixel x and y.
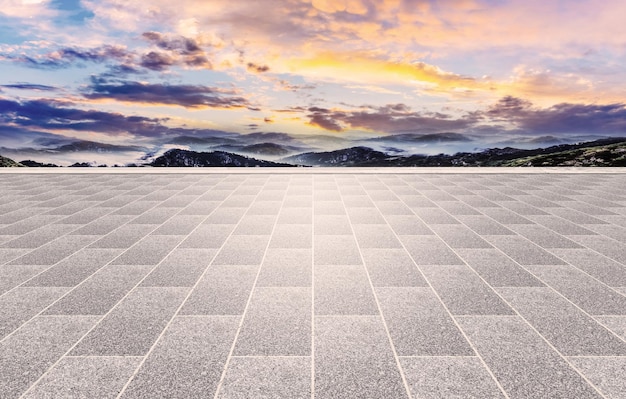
{"type": "Point", "coordinates": [336, 250]}
{"type": "Point", "coordinates": [277, 323]}
{"type": "Point", "coordinates": [497, 269]}
{"type": "Point", "coordinates": [286, 268]}
{"type": "Point", "coordinates": [124, 237]}
{"type": "Point", "coordinates": [597, 265]}
{"type": "Point", "coordinates": [524, 364]}
{"type": "Point", "coordinates": [571, 331]}
{"type": "Point", "coordinates": [292, 236]}
{"type": "Point", "coordinates": [357, 201]}
{"type": "Point", "coordinates": [55, 251]}
{"type": "Point", "coordinates": [74, 269]}
{"type": "Point", "coordinates": [181, 268]}
{"type": "Point", "coordinates": [435, 216]}
{"type": "Point", "coordinates": [255, 225]}
{"type": "Point", "coordinates": [607, 374]}
{"type": "Point", "coordinates": [544, 237]}
{"type": "Point", "coordinates": [188, 360]}
{"type": "Point", "coordinates": [463, 291]}
{"type": "Point", "coordinates": [430, 250]}
{"type": "Point", "coordinates": [98, 294]}
{"type": "Point", "coordinates": [365, 216]}
{"type": "Point", "coordinates": [575, 216]}
{"type": "Point", "coordinates": [85, 377]}
{"type": "Point", "coordinates": [40, 236]}
{"type": "Point", "coordinates": [28, 353]}
{"type": "Point", "coordinates": [223, 290]}
{"type": "Point", "coordinates": [392, 268]}
{"type": "Point", "coordinates": [523, 251]}
{"type": "Point", "coordinates": [419, 325]}
{"type": "Point", "coordinates": [343, 290]}
{"type": "Point", "coordinates": [21, 304]}
{"type": "Point", "coordinates": [328, 207]}
{"type": "Point", "coordinates": [225, 215]}
{"type": "Point", "coordinates": [449, 377]}
{"type": "Point", "coordinates": [301, 215]}
{"type": "Point", "coordinates": [12, 276]}
{"type": "Point", "coordinates": [617, 233]}
{"type": "Point", "coordinates": [134, 325]}
{"type": "Point", "coordinates": [9, 254]}
{"type": "Point", "coordinates": [559, 225]}
{"type": "Point", "coordinates": [200, 208]}
{"type": "Point", "coordinates": [505, 216]}
{"type": "Point", "coordinates": [179, 225]}
{"type": "Point", "coordinates": [604, 245]}
{"type": "Point", "coordinates": [267, 377]}
{"type": "Point", "coordinates": [208, 236]}
{"type": "Point", "coordinates": [155, 216]}
{"type": "Point", "coordinates": [408, 225]}
{"type": "Point", "coordinates": [375, 236]}
{"type": "Point", "coordinates": [617, 324]}
{"type": "Point", "coordinates": [457, 208]}
{"type": "Point", "coordinates": [343, 369]}
{"type": "Point", "coordinates": [332, 224]}
{"type": "Point", "coordinates": [102, 226]}
{"type": "Point", "coordinates": [586, 292]}
{"type": "Point", "coordinates": [459, 236]}
{"type": "Point", "coordinates": [298, 201]}
{"type": "Point", "coordinates": [242, 250]}
{"type": "Point", "coordinates": [149, 251]}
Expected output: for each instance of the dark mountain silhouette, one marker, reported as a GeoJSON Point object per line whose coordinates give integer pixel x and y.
{"type": "Point", "coordinates": [35, 164]}
{"type": "Point", "coordinates": [355, 156]}
{"type": "Point", "coordinates": [184, 158]}
{"type": "Point", "coordinates": [8, 163]}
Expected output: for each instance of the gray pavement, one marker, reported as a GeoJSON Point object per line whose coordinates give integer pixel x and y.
{"type": "Point", "coordinates": [313, 285]}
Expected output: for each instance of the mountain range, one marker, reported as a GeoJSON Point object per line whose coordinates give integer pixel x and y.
{"type": "Point", "coordinates": [603, 152]}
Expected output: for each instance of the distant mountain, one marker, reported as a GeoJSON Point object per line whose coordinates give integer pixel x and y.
{"type": "Point", "coordinates": [184, 158]}
{"type": "Point", "coordinates": [263, 149]}
{"type": "Point", "coordinates": [8, 163]}
{"type": "Point", "coordinates": [35, 164]}
{"type": "Point", "coordinates": [355, 156]}
{"type": "Point", "coordinates": [604, 152]}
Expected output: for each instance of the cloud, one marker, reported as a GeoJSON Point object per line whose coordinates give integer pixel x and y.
{"type": "Point", "coordinates": [252, 67]}
{"type": "Point", "coordinates": [188, 96]}
{"type": "Point", "coordinates": [61, 116]}
{"type": "Point", "coordinates": [564, 118]}
{"type": "Point", "coordinates": [29, 86]}
{"type": "Point", "coordinates": [69, 56]}
{"type": "Point", "coordinates": [176, 50]}
{"type": "Point", "coordinates": [386, 119]}
{"type": "Point", "coordinates": [156, 61]}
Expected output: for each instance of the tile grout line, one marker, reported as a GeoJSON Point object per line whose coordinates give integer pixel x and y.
{"type": "Point", "coordinates": [517, 313]}
{"type": "Point", "coordinates": [191, 289]}
{"type": "Point", "coordinates": [375, 295]}
{"type": "Point", "coordinates": [312, 287]}
{"type": "Point", "coordinates": [252, 290]}
{"type": "Point", "coordinates": [491, 374]}
{"type": "Point", "coordinates": [102, 317]}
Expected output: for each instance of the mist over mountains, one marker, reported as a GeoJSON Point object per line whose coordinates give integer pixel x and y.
{"type": "Point", "coordinates": [602, 152]}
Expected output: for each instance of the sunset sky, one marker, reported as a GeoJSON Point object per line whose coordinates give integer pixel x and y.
{"type": "Point", "coordinates": [320, 73]}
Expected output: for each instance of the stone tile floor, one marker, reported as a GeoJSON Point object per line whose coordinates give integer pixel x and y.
{"type": "Point", "coordinates": [300, 285]}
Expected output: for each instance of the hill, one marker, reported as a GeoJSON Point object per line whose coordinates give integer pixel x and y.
{"type": "Point", "coordinates": [185, 158]}
{"type": "Point", "coordinates": [8, 163]}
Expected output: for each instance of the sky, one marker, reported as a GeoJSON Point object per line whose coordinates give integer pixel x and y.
{"type": "Point", "coordinates": [404, 76]}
